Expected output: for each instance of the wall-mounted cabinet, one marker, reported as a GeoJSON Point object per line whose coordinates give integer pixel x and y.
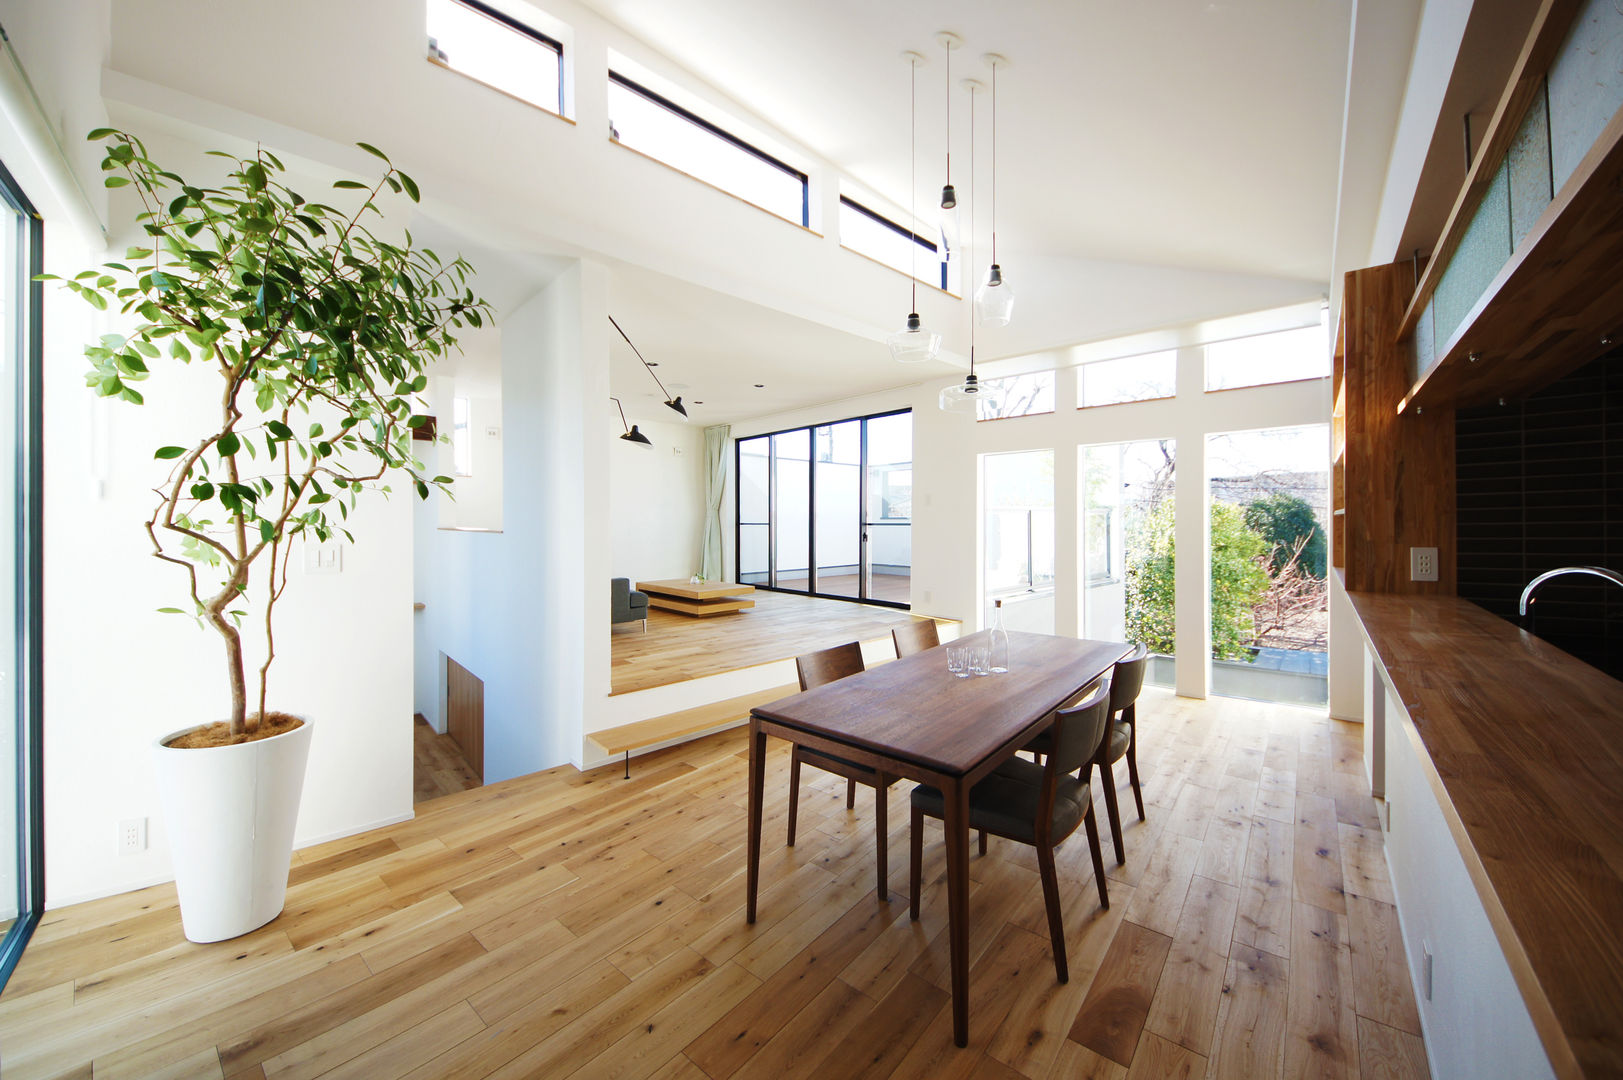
{"type": "Point", "coordinates": [1523, 285]}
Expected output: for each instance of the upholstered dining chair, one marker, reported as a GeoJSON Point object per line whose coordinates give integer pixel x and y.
{"type": "Point", "coordinates": [1035, 804]}
{"type": "Point", "coordinates": [816, 669]}
{"type": "Point", "coordinates": [916, 636]}
{"type": "Point", "coordinates": [1126, 680]}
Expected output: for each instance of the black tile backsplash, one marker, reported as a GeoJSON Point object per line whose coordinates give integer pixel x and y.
{"type": "Point", "coordinates": [1540, 485]}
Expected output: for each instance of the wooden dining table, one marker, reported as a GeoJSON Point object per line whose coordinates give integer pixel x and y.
{"type": "Point", "coordinates": [913, 718]}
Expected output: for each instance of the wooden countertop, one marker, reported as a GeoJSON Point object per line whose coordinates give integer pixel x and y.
{"type": "Point", "coordinates": [1524, 746]}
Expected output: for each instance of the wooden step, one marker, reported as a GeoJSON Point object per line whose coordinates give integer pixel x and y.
{"type": "Point", "coordinates": [676, 725]}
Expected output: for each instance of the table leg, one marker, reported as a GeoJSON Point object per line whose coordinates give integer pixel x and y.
{"type": "Point", "coordinates": [956, 823]}
{"type": "Point", "coordinates": [757, 782]}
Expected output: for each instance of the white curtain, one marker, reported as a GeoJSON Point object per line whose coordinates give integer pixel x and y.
{"type": "Point", "coordinates": [716, 441]}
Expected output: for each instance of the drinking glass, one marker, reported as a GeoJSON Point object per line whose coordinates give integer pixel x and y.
{"type": "Point", "coordinates": [980, 659]}
{"type": "Point", "coordinates": [958, 660]}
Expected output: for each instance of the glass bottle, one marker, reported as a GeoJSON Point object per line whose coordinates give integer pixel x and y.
{"type": "Point", "coordinates": [999, 642]}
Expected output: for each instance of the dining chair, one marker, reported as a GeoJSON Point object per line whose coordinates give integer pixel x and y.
{"type": "Point", "coordinates": [816, 669]}
{"type": "Point", "coordinates": [1126, 680]}
{"type": "Point", "coordinates": [1035, 804]}
{"type": "Point", "coordinates": [916, 636]}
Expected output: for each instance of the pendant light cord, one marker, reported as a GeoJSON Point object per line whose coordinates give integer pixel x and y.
{"type": "Point", "coordinates": [994, 164]}
{"type": "Point", "coordinates": [970, 240]}
{"type": "Point", "coordinates": [948, 46]}
{"type": "Point", "coordinates": [913, 176]}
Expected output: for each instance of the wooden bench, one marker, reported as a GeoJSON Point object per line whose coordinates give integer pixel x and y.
{"type": "Point", "coordinates": [676, 725]}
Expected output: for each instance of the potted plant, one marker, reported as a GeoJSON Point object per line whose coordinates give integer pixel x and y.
{"type": "Point", "coordinates": [318, 332]}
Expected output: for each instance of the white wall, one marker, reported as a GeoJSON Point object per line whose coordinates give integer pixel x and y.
{"type": "Point", "coordinates": [478, 497]}
{"type": "Point", "coordinates": [526, 610]}
{"type": "Point", "coordinates": [656, 503]}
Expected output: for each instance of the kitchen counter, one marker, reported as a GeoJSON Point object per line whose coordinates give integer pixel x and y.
{"type": "Point", "coordinates": [1522, 746]}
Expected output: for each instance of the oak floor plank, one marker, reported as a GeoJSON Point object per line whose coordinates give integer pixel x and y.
{"type": "Point", "coordinates": [1159, 899]}
{"type": "Point", "coordinates": [1077, 1062]}
{"type": "Point", "coordinates": [1321, 1029]}
{"type": "Point", "coordinates": [799, 1047]}
{"type": "Point", "coordinates": [1208, 915]}
{"type": "Point", "coordinates": [1317, 858]}
{"type": "Point", "coordinates": [1380, 974]}
{"type": "Point", "coordinates": [1385, 1053]}
{"type": "Point", "coordinates": [1264, 916]}
{"type": "Point", "coordinates": [1161, 1059]}
{"type": "Point", "coordinates": [1363, 864]}
{"type": "Point", "coordinates": [1113, 1014]}
{"type": "Point", "coordinates": [1251, 1018]}
{"type": "Point", "coordinates": [1184, 1009]}
{"type": "Point", "coordinates": [876, 1046]}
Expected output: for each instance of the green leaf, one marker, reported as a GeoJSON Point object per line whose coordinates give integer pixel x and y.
{"type": "Point", "coordinates": [116, 181]}
{"type": "Point", "coordinates": [165, 453]}
{"type": "Point", "coordinates": [350, 184]}
{"type": "Point", "coordinates": [202, 490]}
{"type": "Point", "coordinates": [279, 429]}
{"type": "Point", "coordinates": [374, 151]}
{"type": "Point", "coordinates": [100, 133]}
{"type": "Point", "coordinates": [267, 531]}
{"type": "Point", "coordinates": [411, 187]}
{"type": "Point", "coordinates": [170, 611]}
{"type": "Point", "coordinates": [228, 444]}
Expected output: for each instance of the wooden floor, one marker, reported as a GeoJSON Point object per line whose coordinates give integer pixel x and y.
{"type": "Point", "coordinates": [677, 648]}
{"type": "Point", "coordinates": [568, 924]}
{"type": "Point", "coordinates": [438, 767]}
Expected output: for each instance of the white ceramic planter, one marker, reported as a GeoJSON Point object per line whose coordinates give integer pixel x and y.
{"type": "Point", "coordinates": [230, 813]}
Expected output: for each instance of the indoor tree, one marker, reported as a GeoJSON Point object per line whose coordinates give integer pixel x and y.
{"type": "Point", "coordinates": [319, 332]}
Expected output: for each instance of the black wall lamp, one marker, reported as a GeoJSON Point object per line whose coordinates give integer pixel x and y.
{"type": "Point", "coordinates": [670, 402]}
{"type": "Point", "coordinates": [632, 435]}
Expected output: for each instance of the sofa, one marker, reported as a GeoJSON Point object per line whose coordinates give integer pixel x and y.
{"type": "Point", "coordinates": [629, 605]}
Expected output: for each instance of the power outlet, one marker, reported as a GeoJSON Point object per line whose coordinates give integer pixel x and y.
{"type": "Point", "coordinates": [1422, 564]}
{"type": "Point", "coordinates": [132, 836]}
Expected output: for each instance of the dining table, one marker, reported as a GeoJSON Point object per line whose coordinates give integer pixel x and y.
{"type": "Point", "coordinates": [913, 718]}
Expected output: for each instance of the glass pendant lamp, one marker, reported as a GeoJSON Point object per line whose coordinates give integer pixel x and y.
{"type": "Point", "coordinates": [913, 343]}
{"type": "Point", "coordinates": [994, 299]}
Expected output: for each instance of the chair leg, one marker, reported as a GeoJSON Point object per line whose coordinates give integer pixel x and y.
{"type": "Point", "coordinates": [983, 841]}
{"type": "Point", "coordinates": [1056, 925]}
{"type": "Point", "coordinates": [916, 853]}
{"type": "Point", "coordinates": [794, 792]}
{"type": "Point", "coordinates": [1109, 780]}
{"type": "Point", "coordinates": [1132, 771]}
{"type": "Point", "coordinates": [850, 794]}
{"type": "Point", "coordinates": [881, 813]}
{"type": "Point", "coordinates": [1089, 820]}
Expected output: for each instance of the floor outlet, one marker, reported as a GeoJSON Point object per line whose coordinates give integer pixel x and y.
{"type": "Point", "coordinates": [132, 836]}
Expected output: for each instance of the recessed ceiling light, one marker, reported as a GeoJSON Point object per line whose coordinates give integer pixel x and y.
{"type": "Point", "coordinates": [760, 386]}
{"type": "Point", "coordinates": [698, 403]}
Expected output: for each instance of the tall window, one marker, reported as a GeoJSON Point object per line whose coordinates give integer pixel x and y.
{"type": "Point", "coordinates": [22, 883]}
{"type": "Point", "coordinates": [1017, 494]}
{"type": "Point", "coordinates": [828, 510]}
{"type": "Point", "coordinates": [870, 233]}
{"type": "Point", "coordinates": [654, 125]}
{"type": "Point", "coordinates": [498, 50]}
{"type": "Point", "coordinates": [1128, 559]}
{"type": "Point", "coordinates": [1270, 512]}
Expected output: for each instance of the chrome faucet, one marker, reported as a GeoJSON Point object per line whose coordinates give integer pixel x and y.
{"type": "Point", "coordinates": [1597, 571]}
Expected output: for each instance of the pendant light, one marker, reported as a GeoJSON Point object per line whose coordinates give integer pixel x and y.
{"type": "Point", "coordinates": [949, 195]}
{"type": "Point", "coordinates": [632, 435]}
{"type": "Point", "coordinates": [674, 404]}
{"type": "Point", "coordinates": [913, 343]}
{"type": "Point", "coordinates": [971, 395]}
{"type": "Point", "coordinates": [994, 300]}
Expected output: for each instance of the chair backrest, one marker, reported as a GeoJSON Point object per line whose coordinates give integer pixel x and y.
{"type": "Point", "coordinates": [916, 636]}
{"type": "Point", "coordinates": [827, 665]}
{"type": "Point", "coordinates": [1078, 731]}
{"type": "Point", "coordinates": [1128, 679]}
{"type": "Point", "coordinates": [620, 591]}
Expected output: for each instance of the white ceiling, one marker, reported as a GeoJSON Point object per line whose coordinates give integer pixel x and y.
{"type": "Point", "coordinates": [1158, 161]}
{"type": "Point", "coordinates": [1193, 133]}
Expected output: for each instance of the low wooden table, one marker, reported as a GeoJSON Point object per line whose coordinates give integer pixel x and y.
{"type": "Point", "coordinates": [705, 598]}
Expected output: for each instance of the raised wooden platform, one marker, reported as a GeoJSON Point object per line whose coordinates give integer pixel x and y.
{"type": "Point", "coordinates": [698, 608]}
{"type": "Point", "coordinates": [677, 648]}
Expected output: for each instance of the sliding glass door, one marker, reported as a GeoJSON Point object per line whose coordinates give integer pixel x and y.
{"type": "Point", "coordinates": [22, 889]}
{"type": "Point", "coordinates": [828, 510]}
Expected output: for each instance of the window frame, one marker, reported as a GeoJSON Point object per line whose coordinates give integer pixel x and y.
{"type": "Point", "coordinates": [29, 574]}
{"type": "Point", "coordinates": [530, 32]}
{"type": "Point", "coordinates": [653, 96]}
{"type": "Point", "coordinates": [771, 523]}
{"type": "Point", "coordinates": [901, 230]}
